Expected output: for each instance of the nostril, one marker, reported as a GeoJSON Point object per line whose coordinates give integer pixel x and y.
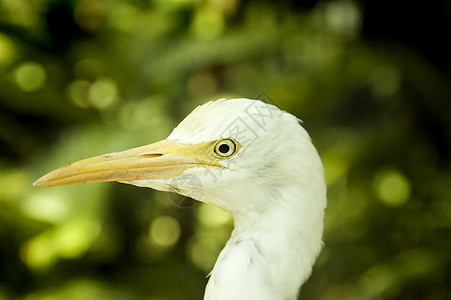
{"type": "Point", "coordinates": [151, 155]}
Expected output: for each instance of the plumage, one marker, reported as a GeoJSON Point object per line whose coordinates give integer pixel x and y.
{"type": "Point", "coordinates": [251, 159]}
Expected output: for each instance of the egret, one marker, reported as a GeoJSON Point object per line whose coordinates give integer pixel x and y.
{"type": "Point", "coordinates": [251, 159]}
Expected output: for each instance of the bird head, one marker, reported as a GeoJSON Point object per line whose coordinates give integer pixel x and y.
{"type": "Point", "coordinates": [221, 151]}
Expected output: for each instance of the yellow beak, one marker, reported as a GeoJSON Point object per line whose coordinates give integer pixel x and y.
{"type": "Point", "coordinates": [161, 160]}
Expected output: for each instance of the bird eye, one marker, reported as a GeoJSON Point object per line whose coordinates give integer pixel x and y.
{"type": "Point", "coordinates": [225, 148]}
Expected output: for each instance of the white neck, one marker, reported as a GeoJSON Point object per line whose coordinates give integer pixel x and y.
{"type": "Point", "coordinates": [270, 253]}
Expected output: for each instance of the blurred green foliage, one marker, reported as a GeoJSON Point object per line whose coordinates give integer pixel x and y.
{"type": "Point", "coordinates": [80, 78]}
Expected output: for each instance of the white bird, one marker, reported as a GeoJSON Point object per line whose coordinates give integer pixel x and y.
{"type": "Point", "coordinates": [251, 159]}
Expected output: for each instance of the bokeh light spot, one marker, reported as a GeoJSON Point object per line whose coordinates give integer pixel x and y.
{"type": "Point", "coordinates": [14, 183]}
{"type": "Point", "coordinates": [125, 16]}
{"type": "Point", "coordinates": [38, 253]}
{"type": "Point", "coordinates": [143, 114]}
{"type": "Point", "coordinates": [103, 93]}
{"type": "Point", "coordinates": [385, 81]}
{"type": "Point", "coordinates": [7, 51]}
{"type": "Point", "coordinates": [391, 187]}
{"type": "Point", "coordinates": [212, 216]}
{"type": "Point", "coordinates": [202, 252]}
{"type": "Point", "coordinates": [208, 23]}
{"type": "Point", "coordinates": [78, 92]}
{"type": "Point", "coordinates": [20, 13]}
{"type": "Point", "coordinates": [342, 17]}
{"type": "Point", "coordinates": [46, 206]}
{"type": "Point", "coordinates": [375, 281]}
{"type": "Point", "coordinates": [165, 231]}
{"type": "Point", "coordinates": [75, 238]}
{"type": "Point", "coordinates": [69, 241]}
{"type": "Point", "coordinates": [30, 76]}
{"type": "Point", "coordinates": [89, 14]}
{"type": "Point", "coordinates": [335, 166]}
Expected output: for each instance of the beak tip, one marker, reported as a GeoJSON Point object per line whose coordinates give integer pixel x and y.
{"type": "Point", "coordinates": [38, 183]}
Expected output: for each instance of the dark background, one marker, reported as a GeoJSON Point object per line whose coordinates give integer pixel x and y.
{"type": "Point", "coordinates": [370, 79]}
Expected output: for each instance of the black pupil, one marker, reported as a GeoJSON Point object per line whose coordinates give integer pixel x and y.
{"type": "Point", "coordinates": [224, 148]}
